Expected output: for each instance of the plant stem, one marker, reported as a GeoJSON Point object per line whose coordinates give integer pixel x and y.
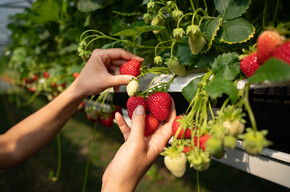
{"type": "Point", "coordinates": [197, 181]}
{"type": "Point", "coordinates": [276, 10]}
{"type": "Point", "coordinates": [88, 160]}
{"type": "Point", "coordinates": [192, 6]}
{"type": "Point", "coordinates": [55, 178]}
{"type": "Point", "coordinates": [249, 109]}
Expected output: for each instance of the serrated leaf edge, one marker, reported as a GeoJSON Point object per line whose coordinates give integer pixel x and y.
{"type": "Point", "coordinates": [214, 35]}
{"type": "Point", "coordinates": [249, 37]}
{"type": "Point", "coordinates": [250, 1]}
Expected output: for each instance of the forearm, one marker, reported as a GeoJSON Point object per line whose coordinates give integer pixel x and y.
{"type": "Point", "coordinates": [34, 132]}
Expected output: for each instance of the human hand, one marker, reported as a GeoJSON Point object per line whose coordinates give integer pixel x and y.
{"type": "Point", "coordinates": [138, 153]}
{"type": "Point", "coordinates": [103, 71]}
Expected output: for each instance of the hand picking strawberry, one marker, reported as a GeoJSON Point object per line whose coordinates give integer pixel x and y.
{"type": "Point", "coordinates": [101, 71]}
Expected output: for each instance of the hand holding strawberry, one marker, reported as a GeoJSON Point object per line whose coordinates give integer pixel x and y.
{"type": "Point", "coordinates": [102, 71]}
{"type": "Point", "coordinates": [137, 153]}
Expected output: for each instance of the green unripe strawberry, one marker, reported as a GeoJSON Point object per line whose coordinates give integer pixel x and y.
{"type": "Point", "coordinates": [175, 67]}
{"type": "Point", "coordinates": [230, 141]}
{"type": "Point", "coordinates": [196, 45]}
{"type": "Point", "coordinates": [158, 60]}
{"type": "Point", "coordinates": [146, 18]}
{"type": "Point", "coordinates": [151, 6]}
{"type": "Point", "coordinates": [157, 21]}
{"type": "Point", "coordinates": [215, 147]}
{"type": "Point", "coordinates": [199, 159]}
{"type": "Point", "coordinates": [254, 141]}
{"type": "Point", "coordinates": [176, 14]}
{"type": "Point", "coordinates": [193, 32]}
{"type": "Point", "coordinates": [132, 87]}
{"type": "Point", "coordinates": [178, 33]}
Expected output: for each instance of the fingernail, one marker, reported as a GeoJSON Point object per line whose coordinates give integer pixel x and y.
{"type": "Point", "coordinates": [139, 110]}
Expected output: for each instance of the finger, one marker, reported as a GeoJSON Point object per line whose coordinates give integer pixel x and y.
{"type": "Point", "coordinates": [117, 53]}
{"type": "Point", "coordinates": [138, 124]}
{"type": "Point", "coordinates": [118, 62]}
{"type": "Point", "coordinates": [115, 70]}
{"type": "Point", "coordinates": [118, 80]}
{"type": "Point", "coordinates": [125, 129]}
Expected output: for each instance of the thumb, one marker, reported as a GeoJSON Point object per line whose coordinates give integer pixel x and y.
{"type": "Point", "coordinates": [117, 80]}
{"type": "Point", "coordinates": [138, 124]}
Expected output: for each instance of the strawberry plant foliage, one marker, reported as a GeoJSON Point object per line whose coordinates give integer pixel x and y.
{"type": "Point", "coordinates": [177, 38]}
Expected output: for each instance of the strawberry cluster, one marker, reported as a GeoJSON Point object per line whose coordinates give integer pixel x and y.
{"type": "Point", "coordinates": [157, 107]}
{"type": "Point", "coordinates": [269, 44]}
{"type": "Point", "coordinates": [106, 118]}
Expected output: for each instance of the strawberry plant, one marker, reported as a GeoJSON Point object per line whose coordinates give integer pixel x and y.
{"type": "Point", "coordinates": [225, 42]}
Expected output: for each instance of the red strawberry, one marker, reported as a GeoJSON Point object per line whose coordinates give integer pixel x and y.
{"type": "Point", "coordinates": [132, 67]}
{"type": "Point", "coordinates": [34, 77]}
{"type": "Point", "coordinates": [266, 44]}
{"type": "Point", "coordinates": [159, 105]}
{"type": "Point", "coordinates": [283, 52]}
{"type": "Point", "coordinates": [32, 89]}
{"type": "Point", "coordinates": [81, 107]}
{"type": "Point", "coordinates": [75, 75]}
{"type": "Point", "coordinates": [202, 141]}
{"type": "Point", "coordinates": [53, 84]}
{"type": "Point", "coordinates": [106, 119]}
{"type": "Point", "coordinates": [46, 74]}
{"type": "Point", "coordinates": [187, 148]}
{"type": "Point", "coordinates": [133, 102]}
{"type": "Point", "coordinates": [151, 125]}
{"type": "Point", "coordinates": [249, 64]}
{"type": "Point", "coordinates": [176, 125]}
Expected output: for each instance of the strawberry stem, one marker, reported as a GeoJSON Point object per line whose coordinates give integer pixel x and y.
{"type": "Point", "coordinates": [88, 160]}
{"type": "Point", "coordinates": [249, 109]}
{"type": "Point", "coordinates": [55, 178]}
{"type": "Point", "coordinates": [197, 181]}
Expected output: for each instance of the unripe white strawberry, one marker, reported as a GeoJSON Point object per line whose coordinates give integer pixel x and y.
{"type": "Point", "coordinates": [92, 114]}
{"type": "Point", "coordinates": [234, 128]}
{"type": "Point", "coordinates": [132, 88]}
{"type": "Point", "coordinates": [176, 164]}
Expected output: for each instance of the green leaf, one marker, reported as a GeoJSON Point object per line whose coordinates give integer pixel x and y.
{"type": "Point", "coordinates": [210, 28]}
{"type": "Point", "coordinates": [236, 31]}
{"type": "Point", "coordinates": [230, 9]}
{"type": "Point", "coordinates": [189, 91]}
{"type": "Point", "coordinates": [89, 5]}
{"type": "Point", "coordinates": [227, 66]}
{"type": "Point", "coordinates": [127, 32]}
{"type": "Point", "coordinates": [184, 54]}
{"type": "Point", "coordinates": [46, 11]}
{"type": "Point", "coordinates": [272, 71]}
{"type": "Point", "coordinates": [220, 86]}
{"type": "Point", "coordinates": [147, 28]}
{"type": "Point", "coordinates": [207, 59]}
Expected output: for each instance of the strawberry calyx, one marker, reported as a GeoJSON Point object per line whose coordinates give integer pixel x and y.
{"type": "Point", "coordinates": [254, 141]}
{"type": "Point", "coordinates": [199, 159]}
